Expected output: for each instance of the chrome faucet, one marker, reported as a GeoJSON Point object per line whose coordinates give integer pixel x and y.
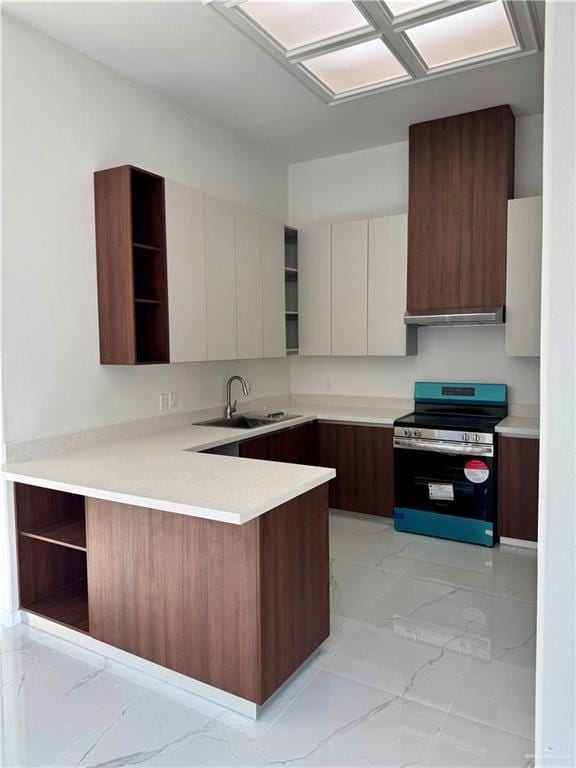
{"type": "Point", "coordinates": [230, 409]}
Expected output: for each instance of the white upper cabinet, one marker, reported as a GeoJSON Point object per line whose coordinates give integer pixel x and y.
{"type": "Point", "coordinates": [249, 283]}
{"type": "Point", "coordinates": [220, 248]}
{"type": "Point", "coordinates": [315, 290]}
{"type": "Point", "coordinates": [350, 288]}
{"type": "Point", "coordinates": [273, 298]}
{"type": "Point", "coordinates": [387, 273]}
{"type": "Point", "coordinates": [523, 277]}
{"type": "Point", "coordinates": [186, 272]}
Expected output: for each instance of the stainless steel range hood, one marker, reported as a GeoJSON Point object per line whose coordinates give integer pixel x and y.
{"type": "Point", "coordinates": [476, 316]}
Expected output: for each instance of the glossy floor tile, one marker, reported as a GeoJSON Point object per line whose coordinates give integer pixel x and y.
{"type": "Point", "coordinates": [464, 742]}
{"type": "Point", "coordinates": [430, 661]}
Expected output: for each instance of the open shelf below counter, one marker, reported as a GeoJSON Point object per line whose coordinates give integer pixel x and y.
{"type": "Point", "coordinates": [148, 301]}
{"type": "Point", "coordinates": [144, 247]}
{"type": "Point", "coordinates": [67, 533]}
{"type": "Point", "coordinates": [68, 606]}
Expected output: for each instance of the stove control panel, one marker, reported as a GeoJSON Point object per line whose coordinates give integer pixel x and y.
{"type": "Point", "coordinates": [414, 433]}
{"type": "Point", "coordinates": [407, 432]}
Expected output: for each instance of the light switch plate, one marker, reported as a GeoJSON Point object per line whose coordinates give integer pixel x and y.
{"type": "Point", "coordinates": [164, 401]}
{"type": "Point", "coordinates": [173, 399]}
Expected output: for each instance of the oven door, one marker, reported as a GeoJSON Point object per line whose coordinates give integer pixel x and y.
{"type": "Point", "coordinates": [454, 479]}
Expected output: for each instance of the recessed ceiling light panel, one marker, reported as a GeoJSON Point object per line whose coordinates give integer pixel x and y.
{"type": "Point", "coordinates": [475, 32]}
{"type": "Point", "coordinates": [401, 7]}
{"type": "Point", "coordinates": [356, 66]}
{"type": "Point", "coordinates": [295, 23]}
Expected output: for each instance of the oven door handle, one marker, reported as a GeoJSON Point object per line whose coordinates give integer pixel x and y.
{"type": "Point", "coordinates": [437, 446]}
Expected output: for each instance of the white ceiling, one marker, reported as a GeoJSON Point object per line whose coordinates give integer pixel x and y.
{"type": "Point", "coordinates": [189, 53]}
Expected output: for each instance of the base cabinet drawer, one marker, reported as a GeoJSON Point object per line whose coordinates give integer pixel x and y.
{"type": "Point", "coordinates": [364, 461]}
{"type": "Point", "coordinates": [517, 513]}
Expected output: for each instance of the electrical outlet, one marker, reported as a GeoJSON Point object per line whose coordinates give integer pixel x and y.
{"type": "Point", "coordinates": [249, 385]}
{"type": "Point", "coordinates": [164, 401]}
{"type": "Point", "coordinates": [329, 383]}
{"type": "Point", "coordinates": [173, 399]}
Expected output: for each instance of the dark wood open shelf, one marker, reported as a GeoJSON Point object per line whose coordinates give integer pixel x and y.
{"type": "Point", "coordinates": [66, 533]}
{"type": "Point", "coordinates": [148, 301]}
{"type": "Point", "coordinates": [132, 270]}
{"type": "Point", "coordinates": [146, 247]}
{"type": "Point", "coordinates": [68, 606]}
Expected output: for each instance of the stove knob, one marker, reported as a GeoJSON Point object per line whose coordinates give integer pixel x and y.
{"type": "Point", "coordinates": [417, 433]}
{"type": "Point", "coordinates": [465, 437]}
{"type": "Point", "coordinates": [407, 432]}
{"type": "Point", "coordinates": [476, 438]}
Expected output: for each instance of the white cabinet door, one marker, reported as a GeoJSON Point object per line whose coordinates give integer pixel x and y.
{"type": "Point", "coordinates": [186, 272]}
{"type": "Point", "coordinates": [350, 288]}
{"type": "Point", "coordinates": [315, 290]}
{"type": "Point", "coordinates": [221, 321]}
{"type": "Point", "coordinates": [249, 283]}
{"type": "Point", "coordinates": [273, 296]}
{"type": "Point", "coordinates": [523, 277]}
{"type": "Point", "coordinates": [387, 272]}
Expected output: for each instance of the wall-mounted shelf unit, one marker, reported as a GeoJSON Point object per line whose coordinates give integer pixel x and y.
{"type": "Point", "coordinates": [132, 275]}
{"type": "Point", "coordinates": [52, 570]}
{"type": "Point", "coordinates": [291, 289]}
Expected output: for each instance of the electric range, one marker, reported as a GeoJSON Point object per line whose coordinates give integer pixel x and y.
{"type": "Point", "coordinates": [444, 461]}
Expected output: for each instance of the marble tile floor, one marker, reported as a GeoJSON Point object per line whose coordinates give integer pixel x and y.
{"type": "Point", "coordinates": [430, 663]}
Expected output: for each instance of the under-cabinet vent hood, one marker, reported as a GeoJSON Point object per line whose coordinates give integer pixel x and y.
{"type": "Point", "coordinates": [476, 316]}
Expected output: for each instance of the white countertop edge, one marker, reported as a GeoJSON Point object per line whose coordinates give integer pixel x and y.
{"type": "Point", "coordinates": [190, 510]}
{"type": "Point", "coordinates": [386, 421]}
{"type": "Point", "coordinates": [526, 432]}
{"type": "Point", "coordinates": [519, 426]}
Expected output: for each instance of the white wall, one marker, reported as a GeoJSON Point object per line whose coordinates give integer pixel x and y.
{"type": "Point", "coordinates": [65, 116]}
{"type": "Point", "coordinates": [556, 637]}
{"type": "Point", "coordinates": [374, 182]}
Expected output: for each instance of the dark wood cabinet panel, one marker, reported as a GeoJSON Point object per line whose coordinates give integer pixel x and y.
{"type": "Point", "coordinates": [179, 591]}
{"type": "Point", "coordinates": [131, 266]}
{"type": "Point", "coordinates": [517, 514]}
{"type": "Point", "coordinates": [336, 449]}
{"type": "Point", "coordinates": [364, 461]}
{"type": "Point", "coordinates": [297, 445]}
{"type": "Point", "coordinates": [374, 461]}
{"type": "Point", "coordinates": [295, 586]}
{"type": "Point", "coordinates": [460, 179]}
{"type": "Point", "coordinates": [239, 607]}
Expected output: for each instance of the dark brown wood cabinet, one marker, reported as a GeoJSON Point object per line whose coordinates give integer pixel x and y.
{"type": "Point", "coordinates": [364, 461]}
{"type": "Point", "coordinates": [518, 463]}
{"type": "Point", "coordinates": [239, 607]}
{"type": "Point", "coordinates": [461, 177]}
{"type": "Point", "coordinates": [297, 445]}
{"type": "Point", "coordinates": [131, 264]}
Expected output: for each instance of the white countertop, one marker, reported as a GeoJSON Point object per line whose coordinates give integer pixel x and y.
{"type": "Point", "coordinates": [353, 415]}
{"type": "Point", "coordinates": [165, 470]}
{"type": "Point", "coordinates": [157, 471]}
{"type": "Point", "coordinates": [519, 426]}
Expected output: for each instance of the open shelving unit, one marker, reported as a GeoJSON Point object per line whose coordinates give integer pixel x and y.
{"type": "Point", "coordinates": [291, 289]}
{"type": "Point", "coordinates": [132, 270]}
{"type": "Point", "coordinates": [52, 550]}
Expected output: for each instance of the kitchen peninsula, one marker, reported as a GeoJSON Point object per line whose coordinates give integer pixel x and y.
{"type": "Point", "coordinates": [213, 566]}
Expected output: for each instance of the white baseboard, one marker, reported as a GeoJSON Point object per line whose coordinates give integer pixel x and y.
{"type": "Point", "coordinates": [205, 691]}
{"type": "Point", "coordinates": [10, 618]}
{"type": "Point", "coordinates": [519, 542]}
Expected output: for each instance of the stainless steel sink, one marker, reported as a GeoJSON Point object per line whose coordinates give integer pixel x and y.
{"type": "Point", "coordinates": [246, 421]}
